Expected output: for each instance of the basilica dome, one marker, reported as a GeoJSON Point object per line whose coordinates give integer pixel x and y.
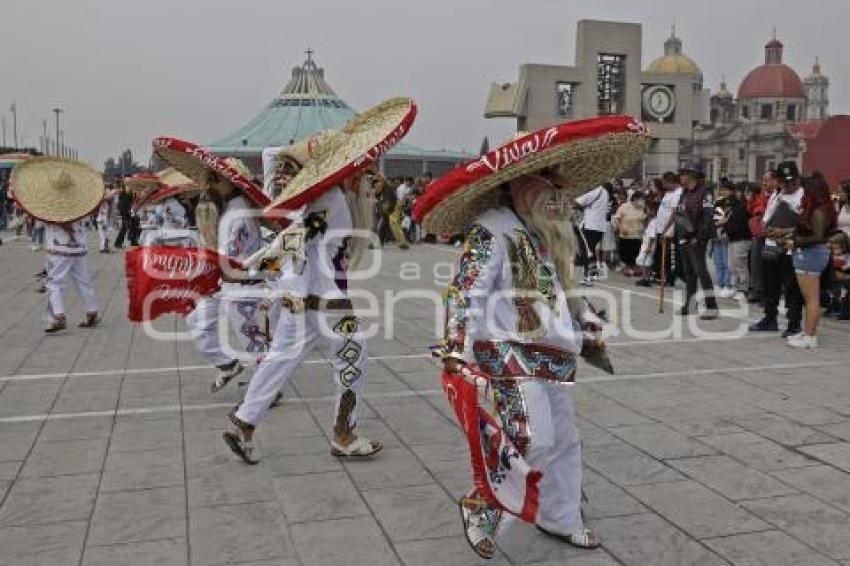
{"type": "Point", "coordinates": [673, 62]}
{"type": "Point", "coordinates": [774, 79]}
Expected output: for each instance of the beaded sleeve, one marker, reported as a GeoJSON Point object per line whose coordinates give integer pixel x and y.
{"type": "Point", "coordinates": [479, 264]}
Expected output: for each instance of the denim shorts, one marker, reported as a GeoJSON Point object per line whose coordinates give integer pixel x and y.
{"type": "Point", "coordinates": [811, 260]}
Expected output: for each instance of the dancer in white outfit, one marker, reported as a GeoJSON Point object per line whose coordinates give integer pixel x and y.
{"type": "Point", "coordinates": [513, 325]}
{"type": "Point", "coordinates": [332, 225]}
{"type": "Point", "coordinates": [62, 192]}
{"type": "Point", "coordinates": [227, 222]}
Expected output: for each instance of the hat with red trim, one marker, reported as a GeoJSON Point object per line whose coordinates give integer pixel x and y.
{"type": "Point", "coordinates": [338, 155]}
{"type": "Point", "coordinates": [195, 161]}
{"type": "Point", "coordinates": [588, 152]}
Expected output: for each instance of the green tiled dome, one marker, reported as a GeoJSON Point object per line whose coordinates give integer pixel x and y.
{"type": "Point", "coordinates": [306, 105]}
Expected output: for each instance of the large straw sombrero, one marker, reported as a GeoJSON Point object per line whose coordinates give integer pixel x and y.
{"type": "Point", "coordinates": [57, 190]}
{"type": "Point", "coordinates": [589, 152]}
{"type": "Point", "coordinates": [194, 161]}
{"type": "Point", "coordinates": [361, 142]}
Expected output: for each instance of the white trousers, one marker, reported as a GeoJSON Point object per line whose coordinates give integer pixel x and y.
{"type": "Point", "coordinates": [552, 446]}
{"type": "Point", "coordinates": [212, 338]}
{"type": "Point", "coordinates": [60, 269]}
{"type": "Point", "coordinates": [295, 337]}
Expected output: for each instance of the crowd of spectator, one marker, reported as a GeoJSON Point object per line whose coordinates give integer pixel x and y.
{"type": "Point", "coordinates": [784, 238]}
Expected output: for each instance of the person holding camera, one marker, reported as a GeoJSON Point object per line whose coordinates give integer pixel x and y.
{"type": "Point", "coordinates": [780, 220]}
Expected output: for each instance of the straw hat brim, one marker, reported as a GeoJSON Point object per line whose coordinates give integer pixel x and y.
{"type": "Point", "coordinates": [194, 161]}
{"type": "Point", "coordinates": [36, 188]}
{"type": "Point", "coordinates": [590, 152]}
{"type": "Point", "coordinates": [174, 178]}
{"type": "Point", "coordinates": [189, 190]}
{"type": "Point", "coordinates": [361, 142]}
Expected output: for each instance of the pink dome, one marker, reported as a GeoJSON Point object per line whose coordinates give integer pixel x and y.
{"type": "Point", "coordinates": [772, 81]}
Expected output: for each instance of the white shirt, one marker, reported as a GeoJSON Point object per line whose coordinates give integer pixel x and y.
{"type": "Point", "coordinates": [650, 233]}
{"type": "Point", "coordinates": [57, 241]}
{"type": "Point", "coordinates": [238, 230]}
{"type": "Point", "coordinates": [596, 208]}
{"type": "Point", "coordinates": [323, 272]}
{"type": "Point", "coordinates": [402, 191]}
{"type": "Point", "coordinates": [173, 214]}
{"type": "Point", "coordinates": [844, 220]}
{"type": "Point", "coordinates": [794, 200]}
{"type": "Point", "coordinates": [668, 204]}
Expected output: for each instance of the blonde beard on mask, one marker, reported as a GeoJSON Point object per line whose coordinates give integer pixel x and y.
{"type": "Point", "coordinates": [558, 238]}
{"type": "Point", "coordinates": [361, 218]}
{"type": "Point", "coordinates": [206, 219]}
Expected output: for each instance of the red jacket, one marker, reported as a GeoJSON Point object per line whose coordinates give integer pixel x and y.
{"type": "Point", "coordinates": [755, 210]}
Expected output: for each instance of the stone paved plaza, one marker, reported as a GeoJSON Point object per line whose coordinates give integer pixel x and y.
{"type": "Point", "coordinates": [719, 449]}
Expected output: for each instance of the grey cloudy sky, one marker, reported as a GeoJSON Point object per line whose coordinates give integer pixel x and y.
{"type": "Point", "coordinates": [127, 71]}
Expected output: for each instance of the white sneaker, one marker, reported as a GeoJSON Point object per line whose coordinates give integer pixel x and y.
{"type": "Point", "coordinates": [723, 293]}
{"type": "Point", "coordinates": [587, 282]}
{"type": "Point", "coordinates": [803, 341]}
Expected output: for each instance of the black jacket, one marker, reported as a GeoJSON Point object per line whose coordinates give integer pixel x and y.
{"type": "Point", "coordinates": [736, 227]}
{"type": "Point", "coordinates": [125, 203]}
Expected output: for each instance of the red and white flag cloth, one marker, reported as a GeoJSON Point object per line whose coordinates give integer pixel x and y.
{"type": "Point", "coordinates": [501, 474]}
{"type": "Point", "coordinates": [164, 279]}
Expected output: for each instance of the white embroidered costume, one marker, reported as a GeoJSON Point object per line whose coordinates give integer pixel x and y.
{"type": "Point", "coordinates": [506, 312]}
{"type": "Point", "coordinates": [239, 237]}
{"type": "Point", "coordinates": [319, 282]}
{"type": "Point", "coordinates": [66, 259]}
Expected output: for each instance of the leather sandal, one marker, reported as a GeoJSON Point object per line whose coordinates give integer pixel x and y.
{"type": "Point", "coordinates": [476, 533]}
{"type": "Point", "coordinates": [582, 538]}
{"type": "Point", "coordinates": [359, 448]}
{"type": "Point", "coordinates": [91, 321]}
{"type": "Point", "coordinates": [240, 440]}
{"type": "Point", "coordinates": [56, 326]}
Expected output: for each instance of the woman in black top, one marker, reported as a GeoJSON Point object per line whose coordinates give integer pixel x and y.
{"type": "Point", "coordinates": [811, 254]}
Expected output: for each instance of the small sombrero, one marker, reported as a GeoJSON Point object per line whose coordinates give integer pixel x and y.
{"type": "Point", "coordinates": [57, 190]}
{"type": "Point", "coordinates": [589, 152]}
{"type": "Point", "coordinates": [141, 182]}
{"type": "Point", "coordinates": [362, 141]}
{"type": "Point", "coordinates": [194, 161]}
{"type": "Point", "coordinates": [173, 183]}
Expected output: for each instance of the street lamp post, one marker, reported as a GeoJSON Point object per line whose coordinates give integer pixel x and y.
{"type": "Point", "coordinates": [45, 147]}
{"type": "Point", "coordinates": [57, 111]}
{"type": "Point", "coordinates": [14, 110]}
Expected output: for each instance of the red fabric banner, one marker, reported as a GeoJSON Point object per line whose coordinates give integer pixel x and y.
{"type": "Point", "coordinates": [164, 279]}
{"type": "Point", "coordinates": [499, 472]}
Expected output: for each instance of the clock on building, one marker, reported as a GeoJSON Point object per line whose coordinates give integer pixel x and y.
{"type": "Point", "coordinates": [659, 102]}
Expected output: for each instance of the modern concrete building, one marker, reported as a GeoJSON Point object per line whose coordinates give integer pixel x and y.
{"type": "Point", "coordinates": [308, 104]}
{"type": "Point", "coordinates": [607, 77]}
